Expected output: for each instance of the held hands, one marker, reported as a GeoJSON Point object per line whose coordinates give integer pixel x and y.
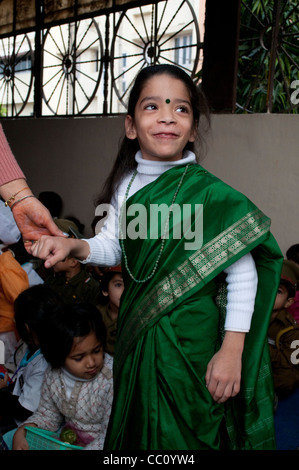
{"type": "Point", "coordinates": [223, 375]}
{"type": "Point", "coordinates": [55, 249]}
{"type": "Point", "coordinates": [51, 249]}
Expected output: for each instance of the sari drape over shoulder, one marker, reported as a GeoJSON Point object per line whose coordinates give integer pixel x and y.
{"type": "Point", "coordinates": [171, 326]}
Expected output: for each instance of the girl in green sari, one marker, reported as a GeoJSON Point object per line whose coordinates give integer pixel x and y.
{"type": "Point", "coordinates": [191, 365]}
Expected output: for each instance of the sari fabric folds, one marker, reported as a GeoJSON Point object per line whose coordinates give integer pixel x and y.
{"type": "Point", "coordinates": [171, 326]}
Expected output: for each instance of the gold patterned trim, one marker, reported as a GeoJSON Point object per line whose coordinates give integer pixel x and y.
{"type": "Point", "coordinates": [193, 271]}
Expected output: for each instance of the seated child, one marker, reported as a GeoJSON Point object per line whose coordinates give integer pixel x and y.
{"type": "Point", "coordinates": [70, 278]}
{"type": "Point", "coordinates": [77, 390]}
{"type": "Point", "coordinates": [26, 261]}
{"type": "Point", "coordinates": [112, 286]}
{"type": "Point", "coordinates": [283, 334]}
{"type": "Point", "coordinates": [73, 282]}
{"type": "Point", "coordinates": [19, 396]}
{"type": "Point", "coordinates": [13, 280]}
{"type": "Point", "coordinates": [292, 254]}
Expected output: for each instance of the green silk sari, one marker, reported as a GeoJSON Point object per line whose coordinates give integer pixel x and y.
{"type": "Point", "coordinates": [171, 326]}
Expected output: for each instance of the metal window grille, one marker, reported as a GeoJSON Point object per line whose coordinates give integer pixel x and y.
{"type": "Point", "coordinates": [78, 63]}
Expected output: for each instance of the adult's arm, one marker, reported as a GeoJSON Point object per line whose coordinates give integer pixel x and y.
{"type": "Point", "coordinates": [9, 168]}
{"type": "Point", "coordinates": [31, 216]}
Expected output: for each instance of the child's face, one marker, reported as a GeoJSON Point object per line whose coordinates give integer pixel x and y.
{"type": "Point", "coordinates": [283, 299]}
{"type": "Point", "coordinates": [163, 121]}
{"type": "Point", "coordinates": [86, 358]}
{"type": "Point", "coordinates": [115, 290]}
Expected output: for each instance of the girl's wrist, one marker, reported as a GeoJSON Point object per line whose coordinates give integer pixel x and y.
{"type": "Point", "coordinates": [79, 248]}
{"type": "Point", "coordinates": [234, 341]}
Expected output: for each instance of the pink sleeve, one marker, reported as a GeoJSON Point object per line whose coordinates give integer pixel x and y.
{"type": "Point", "coordinates": [9, 168]}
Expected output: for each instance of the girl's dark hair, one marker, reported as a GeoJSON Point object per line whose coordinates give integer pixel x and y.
{"type": "Point", "coordinates": [33, 309]}
{"type": "Point", "coordinates": [125, 160]}
{"type": "Point", "coordinates": [76, 320]}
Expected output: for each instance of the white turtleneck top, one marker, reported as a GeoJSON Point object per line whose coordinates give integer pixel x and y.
{"type": "Point", "coordinates": [105, 248]}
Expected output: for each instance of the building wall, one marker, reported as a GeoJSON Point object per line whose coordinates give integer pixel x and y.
{"type": "Point", "coordinates": [256, 154]}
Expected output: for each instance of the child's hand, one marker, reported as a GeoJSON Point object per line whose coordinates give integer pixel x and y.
{"type": "Point", "coordinates": [223, 375]}
{"type": "Point", "coordinates": [55, 249]}
{"type": "Point", "coordinates": [51, 249]}
{"type": "Point", "coordinates": [3, 378]}
{"type": "Point", "coordinates": [19, 439]}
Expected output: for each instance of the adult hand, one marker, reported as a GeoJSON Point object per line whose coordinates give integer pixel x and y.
{"type": "Point", "coordinates": [31, 216]}
{"type": "Point", "coordinates": [34, 220]}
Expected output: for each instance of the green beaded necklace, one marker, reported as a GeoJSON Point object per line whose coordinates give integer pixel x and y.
{"type": "Point", "coordinates": [163, 236]}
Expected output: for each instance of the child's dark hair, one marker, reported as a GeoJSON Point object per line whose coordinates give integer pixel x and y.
{"type": "Point", "coordinates": [293, 253]}
{"type": "Point", "coordinates": [52, 201]}
{"type": "Point", "coordinates": [76, 320]}
{"type": "Point", "coordinates": [33, 309]}
{"type": "Point", "coordinates": [290, 288]}
{"type": "Point", "coordinates": [125, 160]}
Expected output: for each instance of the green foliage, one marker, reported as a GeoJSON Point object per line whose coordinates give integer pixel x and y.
{"type": "Point", "coordinates": [3, 111]}
{"type": "Point", "coordinates": [255, 50]}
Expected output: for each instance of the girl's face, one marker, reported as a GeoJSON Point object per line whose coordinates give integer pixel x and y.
{"type": "Point", "coordinates": [86, 357]}
{"type": "Point", "coordinates": [163, 121]}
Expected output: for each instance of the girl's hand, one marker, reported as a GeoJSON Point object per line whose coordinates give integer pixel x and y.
{"type": "Point", "coordinates": [55, 249]}
{"type": "Point", "coordinates": [51, 249]}
{"type": "Point", "coordinates": [223, 375]}
{"type": "Point", "coordinates": [19, 439]}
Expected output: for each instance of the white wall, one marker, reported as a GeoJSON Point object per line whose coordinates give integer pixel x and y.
{"type": "Point", "coordinates": [256, 154]}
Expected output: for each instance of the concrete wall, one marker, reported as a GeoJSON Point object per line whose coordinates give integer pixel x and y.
{"type": "Point", "coordinates": [256, 154]}
{"type": "Point", "coordinates": [259, 156]}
